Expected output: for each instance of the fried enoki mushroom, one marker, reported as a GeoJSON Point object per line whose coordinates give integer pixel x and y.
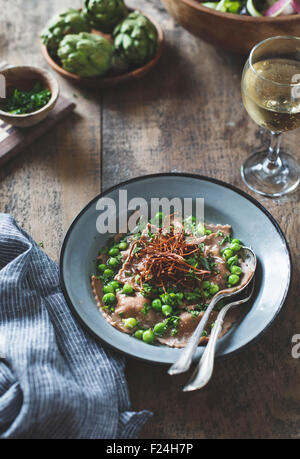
{"type": "Point", "coordinates": [164, 258]}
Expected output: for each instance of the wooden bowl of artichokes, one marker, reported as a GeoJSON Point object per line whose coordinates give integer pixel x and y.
{"type": "Point", "coordinates": [103, 44]}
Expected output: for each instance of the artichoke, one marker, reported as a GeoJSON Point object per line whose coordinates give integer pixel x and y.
{"type": "Point", "coordinates": [135, 41]}
{"type": "Point", "coordinates": [104, 15]}
{"type": "Point", "coordinates": [71, 21]}
{"type": "Point", "coordinates": [85, 54]}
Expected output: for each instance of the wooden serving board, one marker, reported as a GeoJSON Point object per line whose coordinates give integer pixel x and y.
{"type": "Point", "coordinates": [13, 139]}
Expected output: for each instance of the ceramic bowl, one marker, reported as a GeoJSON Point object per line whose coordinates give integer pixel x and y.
{"type": "Point", "coordinates": [24, 77]}
{"type": "Point", "coordinates": [232, 32]}
{"type": "Point", "coordinates": [110, 80]}
{"type": "Point", "coordinates": [223, 204]}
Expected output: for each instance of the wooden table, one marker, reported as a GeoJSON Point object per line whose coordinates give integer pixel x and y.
{"type": "Point", "coordinates": [184, 116]}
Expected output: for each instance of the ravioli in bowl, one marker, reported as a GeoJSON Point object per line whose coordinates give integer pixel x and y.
{"type": "Point", "coordinates": [156, 282]}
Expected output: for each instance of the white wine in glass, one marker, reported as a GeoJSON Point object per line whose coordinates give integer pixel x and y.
{"type": "Point", "coordinates": [271, 96]}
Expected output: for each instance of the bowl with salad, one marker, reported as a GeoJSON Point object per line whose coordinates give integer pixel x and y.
{"type": "Point", "coordinates": [30, 95]}
{"type": "Point", "coordinates": [236, 25]}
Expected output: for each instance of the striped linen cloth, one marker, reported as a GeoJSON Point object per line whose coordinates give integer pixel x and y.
{"type": "Point", "coordinates": [55, 380]}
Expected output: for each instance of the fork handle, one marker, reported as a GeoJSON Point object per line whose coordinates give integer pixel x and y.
{"type": "Point", "coordinates": [184, 361]}
{"type": "Point", "coordinates": [204, 369]}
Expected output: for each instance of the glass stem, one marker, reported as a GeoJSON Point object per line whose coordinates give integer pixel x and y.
{"type": "Point", "coordinates": [273, 162]}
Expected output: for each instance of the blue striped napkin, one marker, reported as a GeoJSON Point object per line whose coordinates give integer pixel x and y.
{"type": "Point", "coordinates": [55, 380]}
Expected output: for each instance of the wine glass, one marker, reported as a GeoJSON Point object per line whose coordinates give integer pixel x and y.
{"type": "Point", "coordinates": [271, 96]}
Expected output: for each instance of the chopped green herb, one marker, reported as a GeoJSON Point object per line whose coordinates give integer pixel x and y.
{"type": "Point", "coordinates": [226, 239]}
{"type": "Point", "coordinates": [194, 313]}
{"type": "Point", "coordinates": [193, 296]}
{"type": "Point", "coordinates": [136, 249]}
{"type": "Point", "coordinates": [137, 279]}
{"type": "Point", "coordinates": [21, 102]}
{"type": "Point", "coordinates": [147, 290]}
{"type": "Point", "coordinates": [145, 309]}
{"type": "Point", "coordinates": [205, 264]}
{"type": "Point", "coordinates": [173, 321]}
{"type": "Point", "coordinates": [172, 299]}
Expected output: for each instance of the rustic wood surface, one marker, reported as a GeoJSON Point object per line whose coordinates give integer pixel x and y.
{"type": "Point", "coordinates": [17, 140]}
{"type": "Point", "coordinates": [184, 116]}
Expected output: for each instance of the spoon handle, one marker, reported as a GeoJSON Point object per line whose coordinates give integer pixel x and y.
{"type": "Point", "coordinates": [204, 369]}
{"type": "Point", "coordinates": [184, 361]}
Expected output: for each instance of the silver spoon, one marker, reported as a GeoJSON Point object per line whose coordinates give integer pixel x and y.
{"type": "Point", "coordinates": [204, 369]}
{"type": "Point", "coordinates": [184, 361]}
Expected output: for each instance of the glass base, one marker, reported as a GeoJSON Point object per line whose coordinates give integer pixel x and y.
{"type": "Point", "coordinates": [271, 179]}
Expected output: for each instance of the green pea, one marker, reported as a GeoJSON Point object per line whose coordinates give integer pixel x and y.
{"type": "Point", "coordinates": [205, 284]}
{"type": "Point", "coordinates": [108, 289]}
{"type": "Point", "coordinates": [214, 288]}
{"type": "Point", "coordinates": [227, 253]}
{"type": "Point", "coordinates": [233, 279]}
{"type": "Point", "coordinates": [113, 262]}
{"type": "Point", "coordinates": [235, 270]}
{"type": "Point", "coordinates": [156, 305]}
{"type": "Point", "coordinates": [233, 260]}
{"type": "Point", "coordinates": [139, 334]}
{"type": "Point", "coordinates": [160, 328]}
{"type": "Point", "coordinates": [123, 245]}
{"type": "Point", "coordinates": [114, 284]}
{"type": "Point", "coordinates": [108, 273]}
{"type": "Point", "coordinates": [166, 310]}
{"type": "Point", "coordinates": [101, 267]}
{"type": "Point", "coordinates": [208, 232]}
{"type": "Point", "coordinates": [127, 289]}
{"type": "Point", "coordinates": [113, 251]}
{"type": "Point", "coordinates": [148, 336]}
{"type": "Point", "coordinates": [206, 293]}
{"type": "Point", "coordinates": [235, 247]}
{"type": "Point", "coordinates": [109, 298]}
{"type": "Point", "coordinates": [130, 322]}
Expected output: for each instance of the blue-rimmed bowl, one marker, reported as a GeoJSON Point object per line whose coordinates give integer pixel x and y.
{"type": "Point", "coordinates": [224, 204]}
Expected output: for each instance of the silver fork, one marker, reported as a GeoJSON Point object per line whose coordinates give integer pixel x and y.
{"type": "Point", "coordinates": [204, 369]}
{"type": "Point", "coordinates": [184, 360]}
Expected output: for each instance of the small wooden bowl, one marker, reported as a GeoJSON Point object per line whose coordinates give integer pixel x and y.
{"type": "Point", "coordinates": [113, 80]}
{"type": "Point", "coordinates": [232, 32]}
{"type": "Point", "coordinates": [24, 77]}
